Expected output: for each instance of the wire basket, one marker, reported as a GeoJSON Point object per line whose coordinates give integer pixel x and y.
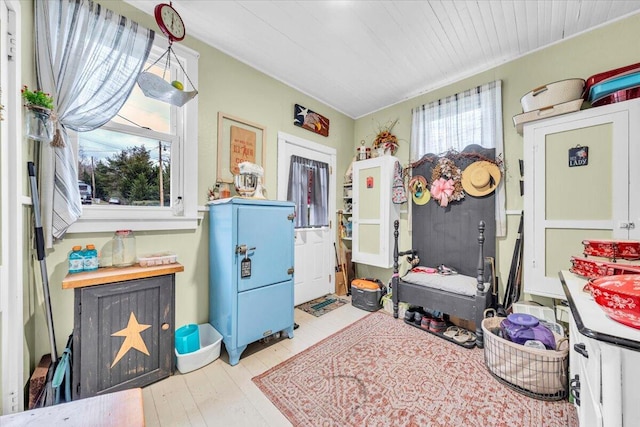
{"type": "Point", "coordinates": [541, 374]}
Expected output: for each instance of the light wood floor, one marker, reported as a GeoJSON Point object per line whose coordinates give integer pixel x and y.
{"type": "Point", "coordinates": [223, 395]}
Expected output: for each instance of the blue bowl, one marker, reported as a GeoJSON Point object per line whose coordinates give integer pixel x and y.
{"type": "Point", "coordinates": [187, 339]}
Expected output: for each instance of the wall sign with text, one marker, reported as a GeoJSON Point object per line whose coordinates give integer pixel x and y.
{"type": "Point", "coordinates": [239, 141]}
{"type": "Point", "coordinates": [243, 148]}
{"type": "Point", "coordinates": [578, 156]}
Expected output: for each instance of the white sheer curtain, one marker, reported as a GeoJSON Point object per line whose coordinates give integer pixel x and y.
{"type": "Point", "coordinates": [88, 59]}
{"type": "Point", "coordinates": [318, 214]}
{"type": "Point", "coordinates": [470, 117]}
{"type": "Point", "coordinates": [308, 189]}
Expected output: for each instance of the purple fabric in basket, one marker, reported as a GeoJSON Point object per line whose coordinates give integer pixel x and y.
{"type": "Point", "coordinates": [520, 334]}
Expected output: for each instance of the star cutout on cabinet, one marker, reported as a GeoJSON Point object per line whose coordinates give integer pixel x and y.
{"type": "Point", "coordinates": [133, 339]}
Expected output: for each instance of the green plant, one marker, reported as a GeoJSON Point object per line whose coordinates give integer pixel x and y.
{"type": "Point", "coordinates": [37, 98]}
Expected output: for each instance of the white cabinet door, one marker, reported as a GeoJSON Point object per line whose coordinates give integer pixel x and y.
{"type": "Point", "coordinates": [373, 211]}
{"type": "Point", "coordinates": [565, 205]}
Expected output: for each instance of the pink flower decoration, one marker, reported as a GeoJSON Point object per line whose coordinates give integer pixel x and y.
{"type": "Point", "coordinates": [441, 190]}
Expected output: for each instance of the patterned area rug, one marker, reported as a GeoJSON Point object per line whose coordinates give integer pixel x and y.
{"type": "Point", "coordinates": [323, 305]}
{"type": "Point", "coordinates": [381, 372]}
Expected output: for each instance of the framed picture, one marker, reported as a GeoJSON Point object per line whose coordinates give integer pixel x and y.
{"type": "Point", "coordinates": [238, 141]}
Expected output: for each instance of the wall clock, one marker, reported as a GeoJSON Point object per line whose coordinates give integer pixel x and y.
{"type": "Point", "coordinates": [170, 22]}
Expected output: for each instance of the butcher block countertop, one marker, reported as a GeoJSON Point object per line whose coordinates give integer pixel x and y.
{"type": "Point", "coordinates": [121, 408]}
{"type": "Point", "coordinates": [114, 274]}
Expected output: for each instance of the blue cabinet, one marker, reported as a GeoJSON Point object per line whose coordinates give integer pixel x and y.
{"type": "Point", "coordinates": [250, 271]}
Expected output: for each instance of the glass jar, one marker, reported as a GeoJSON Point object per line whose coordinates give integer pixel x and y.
{"type": "Point", "coordinates": [178, 207]}
{"type": "Point", "coordinates": [38, 124]}
{"type": "Point", "coordinates": [225, 191]}
{"type": "Point", "coordinates": [123, 248]}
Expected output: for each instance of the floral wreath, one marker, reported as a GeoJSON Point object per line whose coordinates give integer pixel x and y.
{"type": "Point", "coordinates": [446, 182]}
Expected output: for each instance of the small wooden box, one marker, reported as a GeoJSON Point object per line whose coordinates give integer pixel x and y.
{"type": "Point", "coordinates": [123, 333]}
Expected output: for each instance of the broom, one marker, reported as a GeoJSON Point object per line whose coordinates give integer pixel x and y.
{"type": "Point", "coordinates": [47, 397]}
{"type": "Point", "coordinates": [512, 292]}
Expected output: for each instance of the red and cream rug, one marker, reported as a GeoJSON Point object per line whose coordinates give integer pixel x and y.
{"type": "Point", "coordinates": [381, 372]}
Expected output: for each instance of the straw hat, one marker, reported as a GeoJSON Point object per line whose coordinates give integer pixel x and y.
{"type": "Point", "coordinates": [418, 188]}
{"type": "Point", "coordinates": [480, 178]}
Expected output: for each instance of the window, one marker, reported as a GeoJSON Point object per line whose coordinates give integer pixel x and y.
{"type": "Point", "coordinates": [132, 170]}
{"type": "Point", "coordinates": [308, 189]}
{"type": "Point", "coordinates": [470, 117]}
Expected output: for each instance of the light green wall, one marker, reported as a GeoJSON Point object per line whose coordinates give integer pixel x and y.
{"type": "Point", "coordinates": [605, 48]}
{"type": "Point", "coordinates": [225, 85]}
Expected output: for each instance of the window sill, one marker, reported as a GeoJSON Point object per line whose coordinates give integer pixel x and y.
{"type": "Point", "coordinates": [133, 218]}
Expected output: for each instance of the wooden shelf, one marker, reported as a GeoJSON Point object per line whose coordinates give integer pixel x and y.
{"type": "Point", "coordinates": [114, 274]}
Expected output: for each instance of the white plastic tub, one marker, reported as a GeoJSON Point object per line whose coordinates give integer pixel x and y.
{"type": "Point", "coordinates": [162, 258]}
{"type": "Point", "coordinates": [552, 94]}
{"type": "Point", "coordinates": [564, 108]}
{"type": "Point", "coordinates": [210, 342]}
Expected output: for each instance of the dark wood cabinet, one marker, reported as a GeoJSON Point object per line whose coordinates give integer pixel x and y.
{"type": "Point", "coordinates": [123, 334]}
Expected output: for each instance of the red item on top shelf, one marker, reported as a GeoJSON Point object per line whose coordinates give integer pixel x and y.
{"type": "Point", "coordinates": [606, 75]}
{"type": "Point", "coordinates": [619, 96]}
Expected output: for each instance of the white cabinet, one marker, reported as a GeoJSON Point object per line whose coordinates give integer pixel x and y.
{"type": "Point", "coordinates": [604, 361]}
{"type": "Point", "coordinates": [373, 211]}
{"type": "Point", "coordinates": [566, 204]}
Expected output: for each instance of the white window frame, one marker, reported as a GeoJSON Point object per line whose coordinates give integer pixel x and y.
{"type": "Point", "coordinates": [13, 204]}
{"type": "Point", "coordinates": [184, 167]}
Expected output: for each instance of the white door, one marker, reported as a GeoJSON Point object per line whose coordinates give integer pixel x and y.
{"type": "Point", "coordinates": [314, 259]}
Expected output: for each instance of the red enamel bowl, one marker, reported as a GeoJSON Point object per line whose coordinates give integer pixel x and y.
{"type": "Point", "coordinates": [593, 268]}
{"type": "Point", "coordinates": [619, 297]}
{"type": "Point", "coordinates": [625, 249]}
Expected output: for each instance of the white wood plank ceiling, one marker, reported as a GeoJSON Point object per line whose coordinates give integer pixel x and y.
{"type": "Point", "coordinates": [361, 56]}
